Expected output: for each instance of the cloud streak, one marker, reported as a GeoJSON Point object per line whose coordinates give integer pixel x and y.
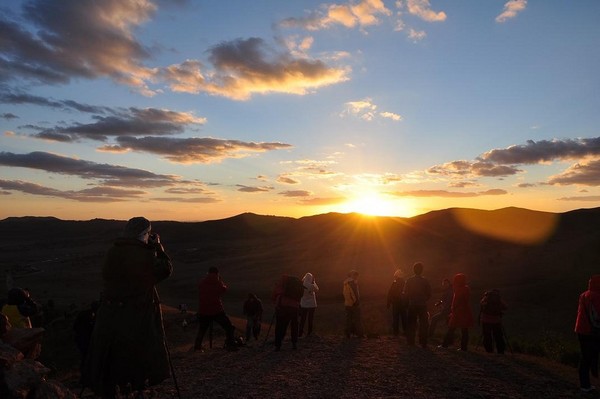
{"type": "Point", "coordinates": [511, 9]}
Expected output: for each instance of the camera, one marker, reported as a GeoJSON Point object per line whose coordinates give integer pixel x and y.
{"type": "Point", "coordinates": [153, 238]}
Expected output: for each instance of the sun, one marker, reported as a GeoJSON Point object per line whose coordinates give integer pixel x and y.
{"type": "Point", "coordinates": [375, 204]}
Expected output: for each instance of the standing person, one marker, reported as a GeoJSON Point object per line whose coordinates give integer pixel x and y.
{"type": "Point", "coordinates": [286, 297]}
{"type": "Point", "coordinates": [308, 303]}
{"type": "Point", "coordinates": [128, 342]}
{"type": "Point", "coordinates": [253, 311]}
{"type": "Point", "coordinates": [443, 307]}
{"type": "Point", "coordinates": [492, 308]}
{"type": "Point", "coordinates": [83, 328]}
{"type": "Point", "coordinates": [417, 292]}
{"type": "Point", "coordinates": [352, 305]}
{"type": "Point", "coordinates": [210, 308]}
{"type": "Point", "coordinates": [587, 327]}
{"type": "Point", "coordinates": [395, 299]}
{"type": "Point", "coordinates": [461, 315]}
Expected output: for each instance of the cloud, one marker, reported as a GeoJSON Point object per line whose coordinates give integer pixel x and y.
{"type": "Point", "coordinates": [422, 9]}
{"type": "Point", "coordinates": [195, 149]}
{"type": "Point", "coordinates": [511, 9]}
{"type": "Point", "coordinates": [250, 189]}
{"type": "Point", "coordinates": [195, 200]}
{"type": "Point", "coordinates": [9, 116]}
{"type": "Point", "coordinates": [111, 174]}
{"type": "Point", "coordinates": [60, 48]}
{"type": "Point", "coordinates": [584, 173]}
{"type": "Point", "coordinates": [95, 194]}
{"type": "Point", "coordinates": [287, 180]}
{"type": "Point", "coordinates": [447, 194]}
{"type": "Point", "coordinates": [130, 122]}
{"type": "Point", "coordinates": [361, 14]}
{"type": "Point", "coordinates": [295, 193]}
{"type": "Point", "coordinates": [544, 151]}
{"type": "Point", "coordinates": [244, 67]}
{"type": "Point", "coordinates": [590, 198]}
{"type": "Point", "coordinates": [526, 185]}
{"type": "Point", "coordinates": [467, 169]}
{"type": "Point", "coordinates": [365, 109]}
{"type": "Point", "coordinates": [416, 36]}
{"type": "Point", "coordinates": [9, 96]}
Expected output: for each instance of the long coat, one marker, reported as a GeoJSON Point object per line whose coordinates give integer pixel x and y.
{"type": "Point", "coordinates": [461, 315]}
{"type": "Point", "coordinates": [127, 344]}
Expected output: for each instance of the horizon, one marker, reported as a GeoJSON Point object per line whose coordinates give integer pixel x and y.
{"type": "Point", "coordinates": [194, 112]}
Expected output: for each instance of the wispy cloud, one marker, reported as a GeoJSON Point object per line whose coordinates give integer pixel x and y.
{"type": "Point", "coordinates": [511, 9]}
{"type": "Point", "coordinates": [323, 201]}
{"type": "Point", "coordinates": [295, 193]}
{"type": "Point", "coordinates": [195, 149]}
{"type": "Point", "coordinates": [253, 189]}
{"type": "Point", "coordinates": [447, 194]}
{"type": "Point", "coordinates": [422, 9]}
{"type": "Point", "coordinates": [287, 180]}
{"type": "Point", "coordinates": [366, 110]}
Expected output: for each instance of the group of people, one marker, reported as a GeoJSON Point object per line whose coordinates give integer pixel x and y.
{"type": "Point", "coordinates": [408, 300]}
{"type": "Point", "coordinates": [127, 347]}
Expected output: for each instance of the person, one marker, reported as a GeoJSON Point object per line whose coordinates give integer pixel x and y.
{"type": "Point", "coordinates": [286, 311]}
{"type": "Point", "coordinates": [253, 310]}
{"type": "Point", "coordinates": [128, 347]}
{"type": "Point", "coordinates": [308, 303]}
{"type": "Point", "coordinates": [587, 327]}
{"type": "Point", "coordinates": [210, 308]}
{"type": "Point", "coordinates": [443, 307]}
{"type": "Point", "coordinates": [352, 305]}
{"type": "Point", "coordinates": [20, 307]}
{"type": "Point", "coordinates": [461, 315]}
{"type": "Point", "coordinates": [83, 328]}
{"type": "Point", "coordinates": [395, 300]}
{"type": "Point", "coordinates": [492, 308]}
{"type": "Point", "coordinates": [417, 292]}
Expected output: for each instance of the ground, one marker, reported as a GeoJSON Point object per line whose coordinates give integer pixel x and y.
{"type": "Point", "coordinates": [331, 366]}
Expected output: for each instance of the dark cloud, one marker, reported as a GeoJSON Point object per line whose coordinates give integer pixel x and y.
{"type": "Point", "coordinates": [287, 180]}
{"type": "Point", "coordinates": [75, 38]}
{"type": "Point", "coordinates": [95, 194]}
{"type": "Point", "coordinates": [526, 185]}
{"type": "Point", "coordinates": [472, 169]}
{"type": "Point", "coordinates": [250, 189]}
{"type": "Point", "coordinates": [8, 96]}
{"type": "Point", "coordinates": [295, 193]}
{"type": "Point", "coordinates": [8, 116]}
{"type": "Point", "coordinates": [113, 175]}
{"type": "Point", "coordinates": [587, 174]}
{"type": "Point", "coordinates": [447, 194]}
{"type": "Point", "coordinates": [197, 149]}
{"type": "Point", "coordinates": [544, 151]}
{"type": "Point", "coordinates": [130, 122]}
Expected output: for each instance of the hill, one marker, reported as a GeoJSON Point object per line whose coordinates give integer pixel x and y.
{"type": "Point", "coordinates": [540, 261]}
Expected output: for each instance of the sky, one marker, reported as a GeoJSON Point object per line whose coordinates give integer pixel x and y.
{"type": "Point", "coordinates": [202, 110]}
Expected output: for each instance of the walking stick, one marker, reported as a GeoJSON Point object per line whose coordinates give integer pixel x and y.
{"type": "Point", "coordinates": [507, 341]}
{"type": "Point", "coordinates": [269, 330]}
{"type": "Point", "coordinates": [210, 334]}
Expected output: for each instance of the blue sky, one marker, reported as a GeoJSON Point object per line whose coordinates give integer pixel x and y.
{"type": "Point", "coordinates": [196, 110]}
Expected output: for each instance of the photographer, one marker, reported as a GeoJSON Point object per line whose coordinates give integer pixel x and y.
{"type": "Point", "coordinates": [127, 345]}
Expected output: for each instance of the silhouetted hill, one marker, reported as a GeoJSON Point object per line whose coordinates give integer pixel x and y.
{"type": "Point", "coordinates": [541, 261]}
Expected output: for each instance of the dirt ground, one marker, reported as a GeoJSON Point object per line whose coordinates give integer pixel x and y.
{"type": "Point", "coordinates": [332, 366]}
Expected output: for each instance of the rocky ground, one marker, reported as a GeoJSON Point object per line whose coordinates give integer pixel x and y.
{"type": "Point", "coordinates": [331, 366]}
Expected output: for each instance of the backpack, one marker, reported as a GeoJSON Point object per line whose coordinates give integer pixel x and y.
{"type": "Point", "coordinates": [293, 288]}
{"type": "Point", "coordinates": [491, 303]}
{"type": "Point", "coordinates": [594, 317]}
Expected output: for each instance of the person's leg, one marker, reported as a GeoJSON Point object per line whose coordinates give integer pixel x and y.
{"type": "Point", "coordinates": [203, 323]}
{"type": "Point", "coordinates": [487, 330]}
{"type": "Point", "coordinates": [226, 324]}
{"type": "Point", "coordinates": [256, 328]}
{"type": "Point", "coordinates": [433, 321]}
{"type": "Point", "coordinates": [293, 325]}
{"type": "Point", "coordinates": [404, 319]}
{"type": "Point", "coordinates": [349, 321]}
{"type": "Point", "coordinates": [449, 337]}
{"type": "Point", "coordinates": [249, 327]}
{"type": "Point", "coordinates": [464, 339]}
{"type": "Point", "coordinates": [411, 330]}
{"type": "Point", "coordinates": [585, 362]}
{"type": "Point", "coordinates": [498, 338]}
{"type": "Point", "coordinates": [423, 326]}
{"type": "Point", "coordinates": [311, 316]}
{"type": "Point", "coordinates": [280, 327]}
{"type": "Point", "coordinates": [358, 327]}
{"type": "Point", "coordinates": [303, 314]}
{"type": "Point", "coordinates": [396, 318]}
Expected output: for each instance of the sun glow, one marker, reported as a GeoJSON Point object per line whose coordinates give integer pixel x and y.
{"type": "Point", "coordinates": [374, 204]}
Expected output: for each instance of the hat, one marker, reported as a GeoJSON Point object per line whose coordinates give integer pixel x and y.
{"type": "Point", "coordinates": [136, 226]}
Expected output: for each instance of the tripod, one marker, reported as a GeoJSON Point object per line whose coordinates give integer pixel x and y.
{"type": "Point", "coordinates": [504, 336]}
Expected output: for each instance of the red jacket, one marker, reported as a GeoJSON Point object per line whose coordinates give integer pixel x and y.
{"type": "Point", "coordinates": [461, 315]}
{"type": "Point", "coordinates": [592, 295]}
{"type": "Point", "coordinates": [210, 289]}
{"type": "Point", "coordinates": [281, 300]}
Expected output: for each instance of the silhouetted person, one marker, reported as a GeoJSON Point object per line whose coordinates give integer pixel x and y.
{"type": "Point", "coordinates": [210, 308]}
{"type": "Point", "coordinates": [417, 291]}
{"type": "Point", "coordinates": [442, 307]}
{"type": "Point", "coordinates": [308, 303]}
{"type": "Point", "coordinates": [352, 305]}
{"type": "Point", "coordinates": [286, 312]}
{"type": "Point", "coordinates": [20, 307]}
{"type": "Point", "coordinates": [587, 327]}
{"type": "Point", "coordinates": [83, 328]}
{"type": "Point", "coordinates": [461, 315]}
{"type": "Point", "coordinates": [253, 310]}
{"type": "Point", "coordinates": [395, 300]}
{"type": "Point", "coordinates": [492, 308]}
{"type": "Point", "coordinates": [128, 343]}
